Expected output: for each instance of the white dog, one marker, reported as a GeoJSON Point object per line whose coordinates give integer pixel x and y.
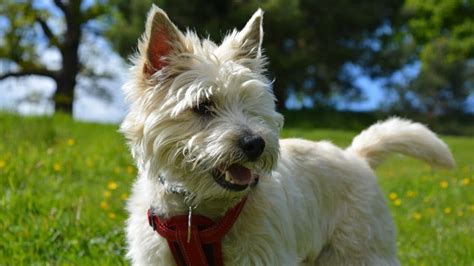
{"type": "Point", "coordinates": [203, 130]}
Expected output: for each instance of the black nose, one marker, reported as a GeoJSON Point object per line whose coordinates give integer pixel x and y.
{"type": "Point", "coordinates": [252, 146]}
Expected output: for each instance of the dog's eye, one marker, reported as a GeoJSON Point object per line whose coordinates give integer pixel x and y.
{"type": "Point", "coordinates": [204, 109]}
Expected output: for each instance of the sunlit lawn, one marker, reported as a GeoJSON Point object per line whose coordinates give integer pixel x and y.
{"type": "Point", "coordinates": [64, 185]}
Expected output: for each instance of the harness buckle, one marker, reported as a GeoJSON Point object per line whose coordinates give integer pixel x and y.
{"type": "Point", "coordinates": [190, 223]}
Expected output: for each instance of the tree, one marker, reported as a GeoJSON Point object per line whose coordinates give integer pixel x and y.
{"type": "Point", "coordinates": [20, 38]}
{"type": "Point", "coordinates": [309, 43]}
{"type": "Point", "coordinates": [441, 37]}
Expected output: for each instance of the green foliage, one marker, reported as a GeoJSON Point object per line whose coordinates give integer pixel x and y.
{"type": "Point", "coordinates": [26, 31]}
{"type": "Point", "coordinates": [309, 43]}
{"type": "Point", "coordinates": [443, 34]}
{"type": "Point", "coordinates": [128, 24]}
{"type": "Point", "coordinates": [18, 39]}
{"type": "Point", "coordinates": [63, 185]}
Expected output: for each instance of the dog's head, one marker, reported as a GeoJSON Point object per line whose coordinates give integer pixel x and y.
{"type": "Point", "coordinates": [202, 115]}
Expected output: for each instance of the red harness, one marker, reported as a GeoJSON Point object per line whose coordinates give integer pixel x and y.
{"type": "Point", "coordinates": [204, 244]}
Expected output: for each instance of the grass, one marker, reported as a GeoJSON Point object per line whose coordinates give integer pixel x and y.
{"type": "Point", "coordinates": [64, 185]}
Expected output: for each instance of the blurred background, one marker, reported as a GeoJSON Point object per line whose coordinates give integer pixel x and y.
{"type": "Point", "coordinates": [356, 59]}
{"type": "Point", "coordinates": [337, 65]}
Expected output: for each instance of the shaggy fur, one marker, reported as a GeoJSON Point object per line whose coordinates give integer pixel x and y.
{"type": "Point", "coordinates": [316, 204]}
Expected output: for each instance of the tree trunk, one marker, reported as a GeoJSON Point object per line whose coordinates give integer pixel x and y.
{"type": "Point", "coordinates": [66, 83]}
{"type": "Point", "coordinates": [64, 96]}
{"type": "Point", "coordinates": [66, 80]}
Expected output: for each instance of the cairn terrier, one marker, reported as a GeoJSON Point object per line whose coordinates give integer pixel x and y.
{"type": "Point", "coordinates": [203, 130]}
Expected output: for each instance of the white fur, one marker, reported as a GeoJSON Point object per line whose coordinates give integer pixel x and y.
{"type": "Point", "coordinates": [398, 135]}
{"type": "Point", "coordinates": [316, 204]}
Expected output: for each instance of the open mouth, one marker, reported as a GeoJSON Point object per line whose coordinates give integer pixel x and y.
{"type": "Point", "coordinates": [236, 177]}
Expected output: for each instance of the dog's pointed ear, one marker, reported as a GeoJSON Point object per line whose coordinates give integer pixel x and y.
{"type": "Point", "coordinates": [251, 36]}
{"type": "Point", "coordinates": [162, 38]}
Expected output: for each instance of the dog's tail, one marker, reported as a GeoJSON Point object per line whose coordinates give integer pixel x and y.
{"type": "Point", "coordinates": [397, 135]}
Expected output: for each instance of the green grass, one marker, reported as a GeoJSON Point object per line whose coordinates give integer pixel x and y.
{"type": "Point", "coordinates": [63, 185]}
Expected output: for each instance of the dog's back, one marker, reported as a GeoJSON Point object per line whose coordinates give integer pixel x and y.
{"type": "Point", "coordinates": [345, 207]}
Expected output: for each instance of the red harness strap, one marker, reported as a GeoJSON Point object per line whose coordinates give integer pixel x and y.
{"type": "Point", "coordinates": [205, 245]}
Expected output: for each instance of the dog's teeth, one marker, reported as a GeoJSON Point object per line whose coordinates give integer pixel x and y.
{"type": "Point", "coordinates": [228, 177]}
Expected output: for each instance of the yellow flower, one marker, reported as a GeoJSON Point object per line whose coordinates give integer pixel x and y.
{"type": "Point", "coordinates": [124, 196]}
{"type": "Point", "coordinates": [393, 196]}
{"type": "Point", "coordinates": [411, 193]}
{"type": "Point", "coordinates": [444, 184]}
{"type": "Point", "coordinates": [2, 164]}
{"type": "Point", "coordinates": [417, 216]}
{"type": "Point", "coordinates": [397, 202]}
{"type": "Point", "coordinates": [129, 169]}
{"type": "Point", "coordinates": [472, 207]}
{"type": "Point", "coordinates": [460, 213]}
{"type": "Point", "coordinates": [71, 142]}
{"type": "Point", "coordinates": [112, 215]}
{"type": "Point", "coordinates": [107, 194]}
{"type": "Point", "coordinates": [89, 163]}
{"type": "Point", "coordinates": [112, 185]}
{"type": "Point", "coordinates": [447, 210]}
{"type": "Point", "coordinates": [466, 181]}
{"type": "Point", "coordinates": [57, 167]}
{"type": "Point", "coordinates": [104, 205]}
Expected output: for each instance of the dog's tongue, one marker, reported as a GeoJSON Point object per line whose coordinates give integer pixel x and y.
{"type": "Point", "coordinates": [240, 174]}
